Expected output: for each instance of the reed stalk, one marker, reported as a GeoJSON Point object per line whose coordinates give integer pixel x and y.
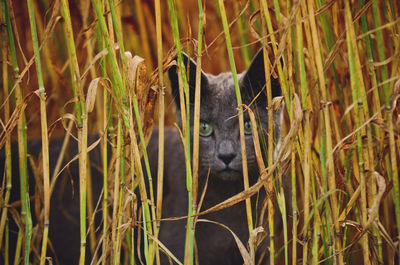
{"type": "Point", "coordinates": [293, 175]}
{"type": "Point", "coordinates": [147, 228]}
{"type": "Point", "coordinates": [356, 85]}
{"type": "Point", "coordinates": [22, 143]}
{"type": "Point", "coordinates": [121, 186]}
{"type": "Point", "coordinates": [89, 49]}
{"type": "Point", "coordinates": [91, 232]}
{"type": "Point", "coordinates": [106, 123]}
{"type": "Point", "coordinates": [8, 166]}
{"type": "Point", "coordinates": [240, 111]}
{"type": "Point", "coordinates": [315, 241]}
{"type": "Point", "coordinates": [118, 33]}
{"type": "Point", "coordinates": [189, 245]}
{"type": "Point", "coordinates": [270, 184]}
{"type": "Point", "coordinates": [7, 245]}
{"type": "Point", "coordinates": [45, 142]}
{"type": "Point", "coordinates": [294, 207]}
{"type": "Point", "coordinates": [28, 231]}
{"type": "Point", "coordinates": [19, 244]}
{"type": "Point", "coordinates": [197, 98]}
{"type": "Point", "coordinates": [131, 239]}
{"type": "Point", "coordinates": [307, 130]}
{"type": "Point", "coordinates": [116, 195]}
{"type": "Point", "coordinates": [161, 122]}
{"type": "Point", "coordinates": [82, 120]}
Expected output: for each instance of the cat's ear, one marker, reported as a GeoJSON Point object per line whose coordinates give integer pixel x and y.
{"type": "Point", "coordinates": [190, 66]}
{"type": "Point", "coordinates": [253, 80]}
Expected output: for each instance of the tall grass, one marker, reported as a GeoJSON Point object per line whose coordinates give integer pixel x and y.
{"type": "Point", "coordinates": [340, 145]}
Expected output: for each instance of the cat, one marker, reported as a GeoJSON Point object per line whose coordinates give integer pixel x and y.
{"type": "Point", "coordinates": [220, 163]}
{"type": "Point", "coordinates": [219, 157]}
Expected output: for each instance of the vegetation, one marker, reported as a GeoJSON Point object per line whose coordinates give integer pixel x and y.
{"type": "Point", "coordinates": [341, 85]}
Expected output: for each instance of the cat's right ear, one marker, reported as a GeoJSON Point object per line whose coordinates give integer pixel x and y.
{"type": "Point", "coordinates": [190, 66]}
{"type": "Point", "coordinates": [253, 81]}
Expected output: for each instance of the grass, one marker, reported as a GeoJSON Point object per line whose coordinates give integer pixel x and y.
{"type": "Point", "coordinates": [339, 79]}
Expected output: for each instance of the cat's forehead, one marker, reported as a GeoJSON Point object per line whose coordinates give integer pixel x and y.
{"type": "Point", "coordinates": [221, 86]}
{"type": "Point", "coordinates": [219, 102]}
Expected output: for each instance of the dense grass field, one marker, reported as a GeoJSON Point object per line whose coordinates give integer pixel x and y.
{"type": "Point", "coordinates": [82, 68]}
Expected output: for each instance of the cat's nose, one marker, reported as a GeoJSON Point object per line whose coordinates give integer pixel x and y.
{"type": "Point", "coordinates": [226, 151]}
{"type": "Point", "coordinates": [226, 158]}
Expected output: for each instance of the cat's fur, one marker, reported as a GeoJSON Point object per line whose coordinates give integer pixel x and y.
{"type": "Point", "coordinates": [219, 155]}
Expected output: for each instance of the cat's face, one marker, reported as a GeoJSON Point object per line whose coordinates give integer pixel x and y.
{"type": "Point", "coordinates": [219, 143]}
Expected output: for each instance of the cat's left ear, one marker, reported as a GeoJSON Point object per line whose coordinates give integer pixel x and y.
{"type": "Point", "coordinates": [191, 67]}
{"type": "Point", "coordinates": [253, 80]}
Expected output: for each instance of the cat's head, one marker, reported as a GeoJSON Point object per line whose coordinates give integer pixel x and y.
{"type": "Point", "coordinates": [219, 143]}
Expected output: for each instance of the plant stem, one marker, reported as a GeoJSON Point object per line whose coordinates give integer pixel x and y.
{"type": "Point", "coordinates": [45, 142]}
{"type": "Point", "coordinates": [240, 110]}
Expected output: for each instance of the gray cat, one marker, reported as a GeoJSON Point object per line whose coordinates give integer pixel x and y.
{"type": "Point", "coordinates": [220, 156]}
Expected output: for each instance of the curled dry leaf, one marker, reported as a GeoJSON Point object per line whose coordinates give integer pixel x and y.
{"type": "Point", "coordinates": [136, 74]}
{"type": "Point", "coordinates": [397, 87]}
{"type": "Point", "coordinates": [92, 91]}
{"type": "Point", "coordinates": [136, 78]}
{"type": "Point", "coordinates": [277, 102]}
{"type": "Point", "coordinates": [130, 71]}
{"type": "Point", "coordinates": [91, 94]}
{"type": "Point", "coordinates": [253, 242]}
{"type": "Point", "coordinates": [374, 210]}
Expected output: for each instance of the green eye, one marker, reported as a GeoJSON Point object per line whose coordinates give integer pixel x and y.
{"type": "Point", "coordinates": [205, 129]}
{"type": "Point", "coordinates": [247, 127]}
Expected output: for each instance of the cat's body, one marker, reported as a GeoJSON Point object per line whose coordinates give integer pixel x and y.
{"type": "Point", "coordinates": [219, 158]}
{"type": "Point", "coordinates": [64, 206]}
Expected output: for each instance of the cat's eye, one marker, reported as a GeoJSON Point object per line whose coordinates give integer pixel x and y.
{"type": "Point", "coordinates": [205, 129]}
{"type": "Point", "coordinates": [247, 127]}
